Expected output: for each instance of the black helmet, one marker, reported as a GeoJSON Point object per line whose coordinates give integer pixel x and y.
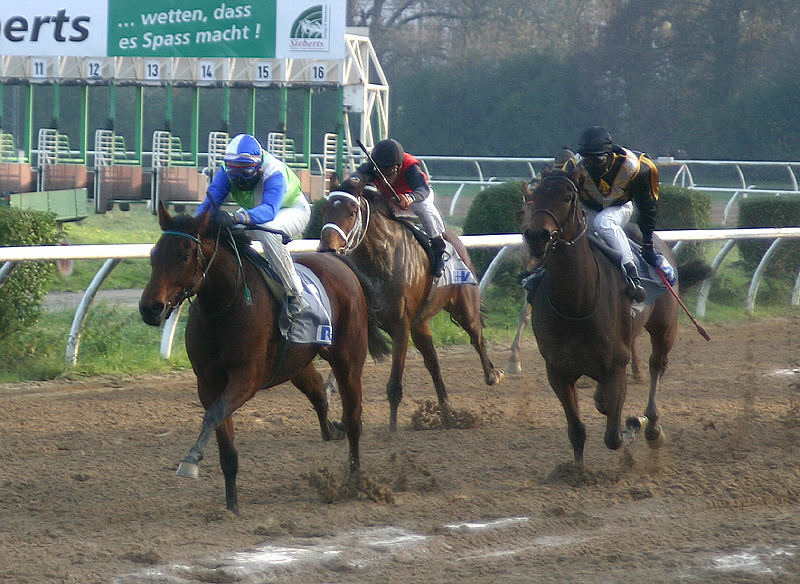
{"type": "Point", "coordinates": [387, 153]}
{"type": "Point", "coordinates": [595, 141]}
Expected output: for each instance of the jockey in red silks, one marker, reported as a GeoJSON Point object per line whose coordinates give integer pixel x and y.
{"type": "Point", "coordinates": [405, 177]}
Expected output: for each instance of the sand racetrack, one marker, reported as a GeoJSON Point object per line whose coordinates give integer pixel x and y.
{"type": "Point", "coordinates": [88, 491]}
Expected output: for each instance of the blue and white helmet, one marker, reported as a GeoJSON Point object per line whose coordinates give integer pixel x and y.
{"type": "Point", "coordinates": [243, 160]}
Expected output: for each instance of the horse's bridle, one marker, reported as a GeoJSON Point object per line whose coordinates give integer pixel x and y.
{"type": "Point", "coordinates": [200, 264]}
{"type": "Point", "coordinates": [557, 236]}
{"type": "Point", "coordinates": [354, 237]}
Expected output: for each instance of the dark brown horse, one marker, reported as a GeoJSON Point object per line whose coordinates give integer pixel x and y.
{"type": "Point", "coordinates": [582, 316]}
{"type": "Point", "coordinates": [233, 338]}
{"type": "Point", "coordinates": [359, 221]}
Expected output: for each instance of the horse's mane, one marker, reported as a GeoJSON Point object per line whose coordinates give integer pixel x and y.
{"type": "Point", "coordinates": [370, 193]}
{"type": "Point", "coordinates": [186, 222]}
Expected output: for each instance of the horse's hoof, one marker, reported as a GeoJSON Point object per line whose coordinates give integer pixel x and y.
{"type": "Point", "coordinates": [654, 436]}
{"type": "Point", "coordinates": [636, 423]}
{"type": "Point", "coordinates": [514, 368]}
{"type": "Point", "coordinates": [497, 377]}
{"type": "Point", "coordinates": [187, 470]}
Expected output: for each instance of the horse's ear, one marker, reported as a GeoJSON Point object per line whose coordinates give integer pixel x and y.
{"type": "Point", "coordinates": [164, 218]}
{"type": "Point", "coordinates": [333, 181]}
{"type": "Point", "coordinates": [201, 221]}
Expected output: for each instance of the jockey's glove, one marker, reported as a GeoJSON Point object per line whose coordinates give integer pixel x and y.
{"type": "Point", "coordinates": [231, 218]}
{"type": "Point", "coordinates": [649, 254]}
{"type": "Point", "coordinates": [405, 200]}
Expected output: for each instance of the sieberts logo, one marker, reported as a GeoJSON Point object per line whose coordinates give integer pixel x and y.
{"type": "Point", "coordinates": [311, 30]}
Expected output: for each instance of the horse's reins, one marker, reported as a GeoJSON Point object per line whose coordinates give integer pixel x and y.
{"type": "Point", "coordinates": [356, 234]}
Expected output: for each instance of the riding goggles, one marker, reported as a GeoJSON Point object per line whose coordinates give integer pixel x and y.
{"type": "Point", "coordinates": [242, 171]}
{"type": "Point", "coordinates": [597, 160]}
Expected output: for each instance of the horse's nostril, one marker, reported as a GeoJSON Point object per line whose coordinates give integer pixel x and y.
{"type": "Point", "coordinates": [151, 313]}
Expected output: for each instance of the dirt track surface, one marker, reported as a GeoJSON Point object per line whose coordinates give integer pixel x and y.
{"type": "Point", "coordinates": [88, 491]}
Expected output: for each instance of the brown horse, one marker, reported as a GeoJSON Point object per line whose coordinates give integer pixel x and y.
{"type": "Point", "coordinates": [582, 316]}
{"type": "Point", "coordinates": [359, 221]}
{"type": "Point", "coordinates": [233, 338]}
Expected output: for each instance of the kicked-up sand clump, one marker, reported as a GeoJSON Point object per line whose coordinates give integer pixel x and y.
{"type": "Point", "coordinates": [429, 415]}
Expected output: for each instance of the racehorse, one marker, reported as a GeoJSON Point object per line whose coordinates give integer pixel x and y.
{"type": "Point", "coordinates": [233, 338]}
{"type": "Point", "coordinates": [582, 317]}
{"type": "Point", "coordinates": [358, 221]}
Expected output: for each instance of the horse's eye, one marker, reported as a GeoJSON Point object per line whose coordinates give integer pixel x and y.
{"type": "Point", "coordinates": [185, 258]}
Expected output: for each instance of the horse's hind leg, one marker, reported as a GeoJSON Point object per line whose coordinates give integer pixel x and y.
{"type": "Point", "coordinates": [661, 342]}
{"type": "Point", "coordinates": [348, 377]}
{"type": "Point", "coordinates": [310, 382]}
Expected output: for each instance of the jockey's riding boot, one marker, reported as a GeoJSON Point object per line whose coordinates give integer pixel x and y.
{"type": "Point", "coordinates": [438, 247]}
{"type": "Point", "coordinates": [296, 305]}
{"type": "Point", "coordinates": [635, 290]}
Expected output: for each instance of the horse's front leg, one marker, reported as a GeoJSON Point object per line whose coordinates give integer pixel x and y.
{"type": "Point", "coordinates": [514, 365]}
{"type": "Point", "coordinates": [423, 340]}
{"type": "Point", "coordinates": [567, 394]}
{"type": "Point", "coordinates": [394, 387]}
{"type": "Point", "coordinates": [611, 391]}
{"type": "Point", "coordinates": [221, 408]}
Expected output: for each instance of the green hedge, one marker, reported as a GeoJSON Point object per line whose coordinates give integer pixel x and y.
{"type": "Point", "coordinates": [681, 208]}
{"type": "Point", "coordinates": [762, 211]}
{"type": "Point", "coordinates": [22, 293]}
{"type": "Point", "coordinates": [495, 210]}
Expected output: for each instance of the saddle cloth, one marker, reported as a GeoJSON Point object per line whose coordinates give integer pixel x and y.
{"type": "Point", "coordinates": [455, 270]}
{"type": "Point", "coordinates": [313, 325]}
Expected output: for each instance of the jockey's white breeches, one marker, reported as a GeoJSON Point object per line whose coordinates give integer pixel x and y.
{"type": "Point", "coordinates": [429, 216]}
{"type": "Point", "coordinates": [292, 221]}
{"type": "Point", "coordinates": [609, 223]}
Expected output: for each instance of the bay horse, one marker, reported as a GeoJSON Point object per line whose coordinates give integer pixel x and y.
{"type": "Point", "coordinates": [581, 314]}
{"type": "Point", "coordinates": [233, 338]}
{"type": "Point", "coordinates": [358, 221]}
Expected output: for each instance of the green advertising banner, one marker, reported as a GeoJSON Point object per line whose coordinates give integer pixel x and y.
{"type": "Point", "coordinates": [200, 28]}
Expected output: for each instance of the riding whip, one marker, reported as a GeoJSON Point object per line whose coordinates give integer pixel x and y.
{"type": "Point", "coordinates": [700, 329]}
{"type": "Point", "coordinates": [383, 176]}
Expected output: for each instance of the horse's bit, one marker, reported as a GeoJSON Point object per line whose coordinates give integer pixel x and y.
{"type": "Point", "coordinates": [558, 235]}
{"type": "Point", "coordinates": [358, 231]}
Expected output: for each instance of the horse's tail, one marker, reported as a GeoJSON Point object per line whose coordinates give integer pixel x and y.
{"type": "Point", "coordinates": [377, 340]}
{"type": "Point", "coordinates": [693, 272]}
